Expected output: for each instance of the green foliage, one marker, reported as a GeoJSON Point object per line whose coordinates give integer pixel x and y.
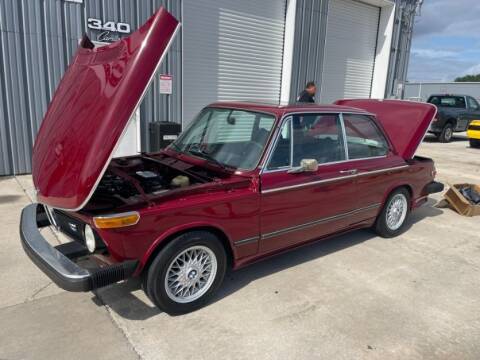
{"type": "Point", "coordinates": [467, 78]}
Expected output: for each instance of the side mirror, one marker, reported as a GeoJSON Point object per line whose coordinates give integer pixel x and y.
{"type": "Point", "coordinates": [306, 165]}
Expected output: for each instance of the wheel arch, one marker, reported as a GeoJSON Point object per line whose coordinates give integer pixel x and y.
{"type": "Point", "coordinates": [396, 187]}
{"type": "Point", "coordinates": [165, 239]}
{"type": "Point", "coordinates": [453, 121]}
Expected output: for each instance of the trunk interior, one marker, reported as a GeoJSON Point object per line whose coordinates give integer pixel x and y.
{"type": "Point", "coordinates": [142, 179]}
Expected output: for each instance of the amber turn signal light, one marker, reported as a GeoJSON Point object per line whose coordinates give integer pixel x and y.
{"type": "Point", "coordinates": [117, 220]}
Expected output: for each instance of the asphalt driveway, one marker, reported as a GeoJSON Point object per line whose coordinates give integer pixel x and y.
{"type": "Point", "coordinates": [352, 297]}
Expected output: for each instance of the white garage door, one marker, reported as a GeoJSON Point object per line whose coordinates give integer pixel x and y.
{"type": "Point", "coordinates": [349, 50]}
{"type": "Point", "coordinates": [232, 50]}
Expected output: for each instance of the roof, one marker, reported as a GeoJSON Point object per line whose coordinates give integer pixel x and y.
{"type": "Point", "coordinates": [447, 94]}
{"type": "Point", "coordinates": [281, 110]}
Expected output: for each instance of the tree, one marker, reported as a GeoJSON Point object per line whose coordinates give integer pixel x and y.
{"type": "Point", "coordinates": [472, 78]}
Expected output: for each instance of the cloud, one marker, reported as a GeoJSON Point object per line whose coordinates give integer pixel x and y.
{"type": "Point", "coordinates": [446, 43]}
{"type": "Point", "coordinates": [472, 70]}
{"type": "Point", "coordinates": [448, 17]}
{"type": "Point", "coordinates": [433, 53]}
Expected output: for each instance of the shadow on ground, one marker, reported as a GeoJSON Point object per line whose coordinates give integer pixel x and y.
{"type": "Point", "coordinates": [122, 300]}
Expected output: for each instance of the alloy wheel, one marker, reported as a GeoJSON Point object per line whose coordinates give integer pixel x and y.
{"type": "Point", "coordinates": [190, 274]}
{"type": "Point", "coordinates": [396, 211]}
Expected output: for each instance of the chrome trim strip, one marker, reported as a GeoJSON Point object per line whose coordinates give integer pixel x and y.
{"type": "Point", "coordinates": [107, 163]}
{"type": "Point", "coordinates": [344, 135]}
{"type": "Point", "coordinates": [317, 222]}
{"type": "Point", "coordinates": [246, 241]}
{"type": "Point", "coordinates": [379, 171]}
{"type": "Point", "coordinates": [311, 183]}
{"type": "Point", "coordinates": [333, 179]}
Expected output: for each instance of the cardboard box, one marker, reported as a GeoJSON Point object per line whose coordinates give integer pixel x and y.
{"type": "Point", "coordinates": [458, 202]}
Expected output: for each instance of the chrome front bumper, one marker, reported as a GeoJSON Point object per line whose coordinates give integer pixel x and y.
{"type": "Point", "coordinates": [56, 262]}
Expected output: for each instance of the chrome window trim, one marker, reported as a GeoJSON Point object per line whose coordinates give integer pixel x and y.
{"type": "Point", "coordinates": [317, 222]}
{"type": "Point", "coordinates": [285, 117]}
{"type": "Point", "coordinates": [273, 144]}
{"type": "Point", "coordinates": [344, 133]}
{"type": "Point", "coordinates": [323, 181]}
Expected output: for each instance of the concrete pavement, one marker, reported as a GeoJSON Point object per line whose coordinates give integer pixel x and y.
{"type": "Point", "coordinates": [356, 296]}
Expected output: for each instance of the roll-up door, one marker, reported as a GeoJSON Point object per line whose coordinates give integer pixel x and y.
{"type": "Point", "coordinates": [352, 28]}
{"type": "Point", "coordinates": [232, 50]}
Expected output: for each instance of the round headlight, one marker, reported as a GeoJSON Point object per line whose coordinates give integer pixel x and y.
{"type": "Point", "coordinates": [89, 238]}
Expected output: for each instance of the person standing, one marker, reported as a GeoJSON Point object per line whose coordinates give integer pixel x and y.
{"type": "Point", "coordinates": [308, 94]}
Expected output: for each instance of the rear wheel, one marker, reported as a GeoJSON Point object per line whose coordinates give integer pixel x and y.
{"type": "Point", "coordinates": [186, 273]}
{"type": "Point", "coordinates": [391, 220]}
{"type": "Point", "coordinates": [447, 133]}
{"type": "Point", "coordinates": [474, 143]}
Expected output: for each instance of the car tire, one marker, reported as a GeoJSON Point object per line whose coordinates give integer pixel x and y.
{"type": "Point", "coordinates": [393, 217]}
{"type": "Point", "coordinates": [447, 133]}
{"type": "Point", "coordinates": [186, 273]}
{"type": "Point", "coordinates": [474, 143]}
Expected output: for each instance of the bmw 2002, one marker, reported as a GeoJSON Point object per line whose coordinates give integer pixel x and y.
{"type": "Point", "coordinates": [243, 182]}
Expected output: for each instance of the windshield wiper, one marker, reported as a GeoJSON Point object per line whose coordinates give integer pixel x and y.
{"type": "Point", "coordinates": [207, 156]}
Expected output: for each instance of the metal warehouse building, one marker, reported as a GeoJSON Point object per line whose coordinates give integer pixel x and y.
{"type": "Point", "coordinates": [226, 50]}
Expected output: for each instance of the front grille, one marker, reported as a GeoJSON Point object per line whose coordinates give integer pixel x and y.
{"type": "Point", "coordinates": [474, 127]}
{"type": "Point", "coordinates": [69, 225]}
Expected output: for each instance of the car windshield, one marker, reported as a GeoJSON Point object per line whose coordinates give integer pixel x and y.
{"type": "Point", "coordinates": [447, 101]}
{"type": "Point", "coordinates": [227, 137]}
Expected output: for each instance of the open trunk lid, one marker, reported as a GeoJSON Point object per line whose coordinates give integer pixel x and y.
{"type": "Point", "coordinates": [91, 109]}
{"type": "Point", "coordinates": [405, 122]}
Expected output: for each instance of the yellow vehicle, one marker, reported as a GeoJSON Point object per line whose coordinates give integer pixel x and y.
{"type": "Point", "coordinates": [473, 133]}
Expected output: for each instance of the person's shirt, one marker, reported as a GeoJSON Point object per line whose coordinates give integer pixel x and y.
{"type": "Point", "coordinates": [305, 97]}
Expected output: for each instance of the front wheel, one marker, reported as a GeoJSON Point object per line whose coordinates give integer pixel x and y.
{"type": "Point", "coordinates": [391, 220]}
{"type": "Point", "coordinates": [186, 273]}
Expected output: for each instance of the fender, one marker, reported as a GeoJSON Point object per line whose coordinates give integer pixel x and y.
{"type": "Point", "coordinates": [394, 186]}
{"type": "Point", "coordinates": [175, 230]}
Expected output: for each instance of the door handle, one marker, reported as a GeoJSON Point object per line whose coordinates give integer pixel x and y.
{"type": "Point", "coordinates": [349, 172]}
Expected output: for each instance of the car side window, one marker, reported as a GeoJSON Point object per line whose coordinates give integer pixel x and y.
{"type": "Point", "coordinates": [314, 136]}
{"type": "Point", "coordinates": [281, 155]}
{"type": "Point", "coordinates": [364, 138]}
{"type": "Point", "coordinates": [472, 103]}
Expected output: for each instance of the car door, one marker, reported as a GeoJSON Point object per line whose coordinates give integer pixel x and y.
{"type": "Point", "coordinates": [463, 113]}
{"type": "Point", "coordinates": [300, 206]}
{"type": "Point", "coordinates": [473, 110]}
{"type": "Point", "coordinates": [374, 161]}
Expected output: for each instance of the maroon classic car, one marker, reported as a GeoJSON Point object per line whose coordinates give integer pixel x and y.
{"type": "Point", "coordinates": [241, 183]}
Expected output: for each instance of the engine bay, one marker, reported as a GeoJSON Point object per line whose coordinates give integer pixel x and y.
{"type": "Point", "coordinates": [143, 178]}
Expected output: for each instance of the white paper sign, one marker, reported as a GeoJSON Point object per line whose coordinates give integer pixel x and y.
{"type": "Point", "coordinates": [166, 84]}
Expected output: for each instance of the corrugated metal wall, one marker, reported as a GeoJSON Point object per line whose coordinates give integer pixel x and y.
{"type": "Point", "coordinates": [232, 52]}
{"type": "Point", "coordinates": [38, 39]}
{"type": "Point", "coordinates": [309, 43]}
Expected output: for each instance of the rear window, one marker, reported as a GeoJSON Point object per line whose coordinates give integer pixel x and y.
{"type": "Point", "coordinates": [447, 101]}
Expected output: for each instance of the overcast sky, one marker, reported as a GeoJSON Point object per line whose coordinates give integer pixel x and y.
{"type": "Point", "coordinates": [446, 41]}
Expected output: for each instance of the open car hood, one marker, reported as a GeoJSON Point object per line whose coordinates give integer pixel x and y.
{"type": "Point", "coordinates": [405, 122]}
{"type": "Point", "coordinates": [91, 109]}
